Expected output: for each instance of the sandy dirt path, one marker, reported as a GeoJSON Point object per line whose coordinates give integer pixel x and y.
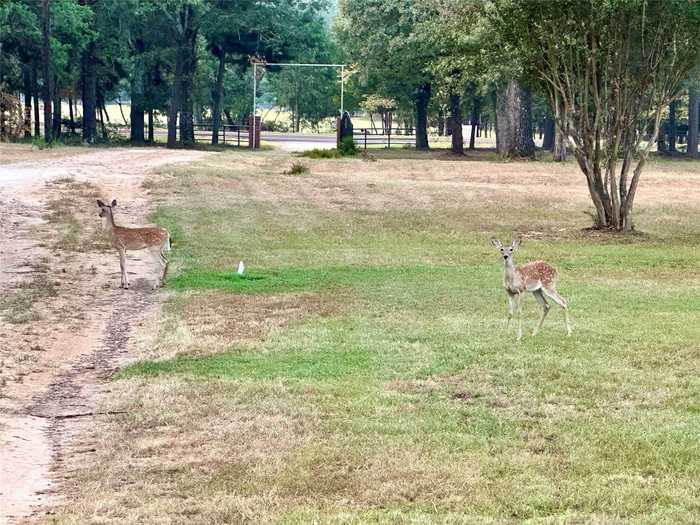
{"type": "Point", "coordinates": [64, 321]}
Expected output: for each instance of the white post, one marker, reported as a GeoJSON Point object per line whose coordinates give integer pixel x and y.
{"type": "Point", "coordinates": [342, 89]}
{"type": "Point", "coordinates": [252, 123]}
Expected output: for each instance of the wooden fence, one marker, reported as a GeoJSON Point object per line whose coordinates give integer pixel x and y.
{"type": "Point", "coordinates": [392, 137]}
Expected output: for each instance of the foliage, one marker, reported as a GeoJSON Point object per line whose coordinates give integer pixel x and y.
{"type": "Point", "coordinates": [386, 43]}
{"type": "Point", "coordinates": [296, 168]}
{"type": "Point", "coordinates": [609, 68]}
{"type": "Point", "coordinates": [391, 52]}
{"type": "Point", "coordinates": [321, 154]}
{"type": "Point", "coordinates": [347, 147]}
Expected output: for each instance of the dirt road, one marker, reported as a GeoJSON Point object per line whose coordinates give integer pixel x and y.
{"type": "Point", "coordinates": [64, 321]}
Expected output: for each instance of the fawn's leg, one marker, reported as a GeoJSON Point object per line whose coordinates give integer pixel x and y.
{"type": "Point", "coordinates": [545, 309]}
{"type": "Point", "coordinates": [122, 265]}
{"type": "Point", "coordinates": [520, 316]}
{"type": "Point", "coordinates": [158, 258]}
{"type": "Point", "coordinates": [554, 296]}
{"type": "Point", "coordinates": [511, 310]}
{"type": "Point", "coordinates": [164, 259]}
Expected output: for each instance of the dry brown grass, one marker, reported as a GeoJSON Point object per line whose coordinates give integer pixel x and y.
{"type": "Point", "coordinates": [17, 152]}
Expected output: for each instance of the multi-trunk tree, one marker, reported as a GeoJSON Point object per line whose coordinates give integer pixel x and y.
{"type": "Point", "coordinates": [609, 69]}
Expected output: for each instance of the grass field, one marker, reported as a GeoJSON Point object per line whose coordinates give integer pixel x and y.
{"type": "Point", "coordinates": [360, 371]}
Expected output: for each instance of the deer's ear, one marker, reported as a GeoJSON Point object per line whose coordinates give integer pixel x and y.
{"type": "Point", "coordinates": [100, 203]}
{"type": "Point", "coordinates": [114, 203]}
{"type": "Point", "coordinates": [496, 243]}
{"type": "Point", "coordinates": [515, 243]}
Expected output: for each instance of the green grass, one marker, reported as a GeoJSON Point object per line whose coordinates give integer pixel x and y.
{"type": "Point", "coordinates": [404, 399]}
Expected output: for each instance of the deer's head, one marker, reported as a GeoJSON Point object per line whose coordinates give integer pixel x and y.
{"type": "Point", "coordinates": [106, 209]}
{"type": "Point", "coordinates": [506, 251]}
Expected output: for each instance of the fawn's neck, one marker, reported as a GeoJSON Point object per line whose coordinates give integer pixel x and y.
{"type": "Point", "coordinates": [108, 222]}
{"type": "Point", "coordinates": [509, 275]}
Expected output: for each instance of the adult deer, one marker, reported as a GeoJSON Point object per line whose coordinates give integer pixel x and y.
{"type": "Point", "coordinates": [156, 239]}
{"type": "Point", "coordinates": [537, 277]}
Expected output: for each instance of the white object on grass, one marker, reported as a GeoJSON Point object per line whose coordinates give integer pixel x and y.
{"type": "Point", "coordinates": [241, 268]}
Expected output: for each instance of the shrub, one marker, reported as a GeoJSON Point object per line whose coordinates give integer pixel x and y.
{"type": "Point", "coordinates": [296, 168]}
{"type": "Point", "coordinates": [321, 154]}
{"type": "Point", "coordinates": [347, 147]}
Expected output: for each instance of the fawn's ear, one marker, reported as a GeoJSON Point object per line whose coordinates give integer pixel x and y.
{"type": "Point", "coordinates": [515, 243]}
{"type": "Point", "coordinates": [114, 203]}
{"type": "Point", "coordinates": [497, 243]}
{"type": "Point", "coordinates": [100, 203]}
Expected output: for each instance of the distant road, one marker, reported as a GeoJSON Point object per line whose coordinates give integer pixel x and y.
{"type": "Point", "coordinates": [299, 141]}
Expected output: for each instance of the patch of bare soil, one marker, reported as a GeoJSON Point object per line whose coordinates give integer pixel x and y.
{"type": "Point", "coordinates": [64, 321]}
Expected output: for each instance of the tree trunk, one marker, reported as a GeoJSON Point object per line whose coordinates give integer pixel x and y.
{"type": "Point", "coordinates": [46, 67]}
{"type": "Point", "coordinates": [559, 147]}
{"type": "Point", "coordinates": [137, 96]}
{"type": "Point", "coordinates": [525, 145]}
{"type": "Point", "coordinates": [27, 82]}
{"type": "Point", "coordinates": [56, 127]}
{"type": "Point", "coordinates": [35, 93]}
{"type": "Point", "coordinates": [514, 121]}
{"type": "Point", "coordinates": [102, 121]}
{"type": "Point", "coordinates": [548, 139]}
{"type": "Point", "coordinates": [693, 100]}
{"type": "Point", "coordinates": [441, 122]}
{"type": "Point", "coordinates": [88, 72]}
{"type": "Point", "coordinates": [187, 100]}
{"type": "Point", "coordinates": [150, 125]}
{"type": "Point", "coordinates": [456, 124]}
{"type": "Point", "coordinates": [216, 98]}
{"type": "Point", "coordinates": [506, 112]}
{"type": "Point", "coordinates": [422, 98]}
{"type": "Point", "coordinates": [174, 107]}
{"type": "Point", "coordinates": [178, 98]}
{"type": "Point", "coordinates": [71, 115]}
{"type": "Point", "coordinates": [476, 117]}
{"type": "Point", "coordinates": [672, 127]}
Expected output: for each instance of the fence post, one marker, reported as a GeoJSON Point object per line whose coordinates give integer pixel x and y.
{"type": "Point", "coordinates": [388, 138]}
{"type": "Point", "coordinates": [223, 129]}
{"type": "Point", "coordinates": [238, 128]}
{"type": "Point", "coordinates": [254, 137]}
{"type": "Point", "coordinates": [365, 138]}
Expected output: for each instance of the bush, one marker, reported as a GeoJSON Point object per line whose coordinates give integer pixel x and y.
{"type": "Point", "coordinates": [321, 154]}
{"type": "Point", "coordinates": [275, 126]}
{"type": "Point", "coordinates": [296, 168]}
{"type": "Point", "coordinates": [347, 147]}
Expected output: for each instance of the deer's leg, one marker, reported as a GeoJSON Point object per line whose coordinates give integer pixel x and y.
{"type": "Point", "coordinates": [545, 309]}
{"type": "Point", "coordinates": [158, 257]}
{"type": "Point", "coordinates": [511, 310]}
{"type": "Point", "coordinates": [122, 264]}
{"type": "Point", "coordinates": [164, 259]}
{"type": "Point", "coordinates": [554, 296]}
{"type": "Point", "coordinates": [520, 316]}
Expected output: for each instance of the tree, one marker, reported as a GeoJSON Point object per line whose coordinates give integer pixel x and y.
{"type": "Point", "coordinates": [608, 67]}
{"type": "Point", "coordinates": [46, 67]}
{"type": "Point", "coordinates": [392, 52]}
{"type": "Point", "coordinates": [20, 47]}
{"type": "Point", "coordinates": [514, 121]}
